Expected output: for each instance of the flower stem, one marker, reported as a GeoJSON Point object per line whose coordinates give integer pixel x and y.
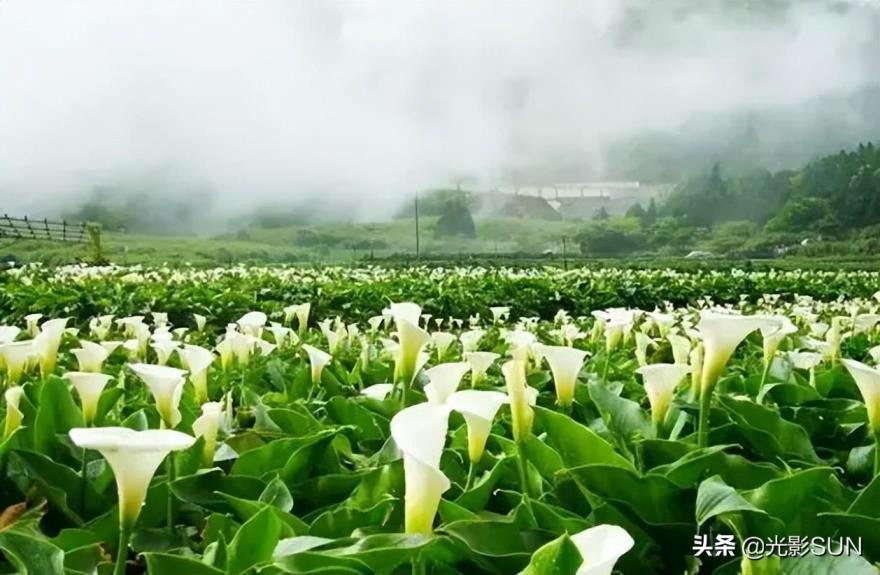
{"type": "Point", "coordinates": [605, 368]}
{"type": "Point", "coordinates": [764, 375]}
{"type": "Point", "coordinates": [472, 474]}
{"type": "Point", "coordinates": [876, 454]}
{"type": "Point", "coordinates": [703, 428]}
{"type": "Point", "coordinates": [169, 467]}
{"type": "Point", "coordinates": [122, 550]}
{"type": "Point", "coordinates": [419, 566]}
{"type": "Point", "coordinates": [522, 464]}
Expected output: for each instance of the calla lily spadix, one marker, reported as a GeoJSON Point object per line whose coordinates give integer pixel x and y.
{"type": "Point", "coordinates": [480, 362]}
{"type": "Point", "coordinates": [420, 434]}
{"type": "Point", "coordinates": [207, 426]}
{"type": "Point", "coordinates": [318, 359]}
{"type": "Point", "coordinates": [721, 335]}
{"type": "Point", "coordinates": [134, 457]}
{"type": "Point", "coordinates": [868, 381]}
{"type": "Point", "coordinates": [661, 379]}
{"type": "Point", "coordinates": [90, 356]}
{"type": "Point", "coordinates": [478, 408]}
{"type": "Point", "coordinates": [601, 547]}
{"type": "Point", "coordinates": [89, 387]}
{"type": "Point", "coordinates": [16, 357]}
{"type": "Point", "coordinates": [411, 338]}
{"type": "Point", "coordinates": [444, 380]}
{"type": "Point", "coordinates": [13, 414]}
{"type": "Point", "coordinates": [197, 360]}
{"type": "Point", "coordinates": [565, 364]}
{"type": "Point", "coordinates": [166, 385]}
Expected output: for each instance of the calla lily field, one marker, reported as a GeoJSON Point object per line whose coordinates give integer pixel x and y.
{"type": "Point", "coordinates": [415, 420]}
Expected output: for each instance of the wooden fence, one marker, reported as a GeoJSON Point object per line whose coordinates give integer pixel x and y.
{"type": "Point", "coordinates": [28, 229]}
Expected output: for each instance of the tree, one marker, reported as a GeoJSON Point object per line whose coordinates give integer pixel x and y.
{"type": "Point", "coordinates": [601, 214]}
{"type": "Point", "coordinates": [651, 214]}
{"type": "Point", "coordinates": [636, 211]}
{"type": "Point", "coordinates": [455, 220]}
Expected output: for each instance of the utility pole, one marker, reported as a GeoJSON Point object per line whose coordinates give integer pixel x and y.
{"type": "Point", "coordinates": [418, 245]}
{"type": "Point", "coordinates": [564, 258]}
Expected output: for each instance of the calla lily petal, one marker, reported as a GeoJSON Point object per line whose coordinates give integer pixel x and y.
{"type": "Point", "coordinates": [445, 379]}
{"type": "Point", "coordinates": [134, 457]}
{"type": "Point", "coordinates": [565, 363]}
{"type": "Point", "coordinates": [378, 391]}
{"type": "Point", "coordinates": [478, 409]}
{"type": "Point", "coordinates": [601, 546]}
{"type": "Point", "coordinates": [420, 434]}
{"type": "Point", "coordinates": [661, 379]}
{"type": "Point", "coordinates": [207, 426]}
{"type": "Point", "coordinates": [89, 387]}
{"type": "Point", "coordinates": [166, 385]}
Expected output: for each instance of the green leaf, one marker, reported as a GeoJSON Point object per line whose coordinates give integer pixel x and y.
{"type": "Point", "coordinates": [164, 564]}
{"type": "Point", "coordinates": [768, 434]}
{"type": "Point", "coordinates": [736, 470]}
{"type": "Point", "coordinates": [654, 498]}
{"type": "Point", "coordinates": [57, 414]}
{"type": "Point", "coordinates": [559, 557]}
{"type": "Point", "coordinates": [368, 426]}
{"type": "Point", "coordinates": [623, 417]}
{"type": "Point", "coordinates": [30, 554]}
{"type": "Point", "coordinates": [577, 444]}
{"type": "Point", "coordinates": [277, 495]}
{"type": "Point", "coordinates": [254, 542]}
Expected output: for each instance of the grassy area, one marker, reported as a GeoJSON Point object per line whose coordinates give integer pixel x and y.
{"type": "Point", "coordinates": [337, 243]}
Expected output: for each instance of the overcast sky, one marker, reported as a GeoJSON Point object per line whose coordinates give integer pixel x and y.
{"type": "Point", "coordinates": [366, 101]}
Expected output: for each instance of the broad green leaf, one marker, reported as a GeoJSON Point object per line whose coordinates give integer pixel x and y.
{"type": "Point", "coordinates": [254, 542]}
{"type": "Point", "coordinates": [576, 444]}
{"type": "Point", "coordinates": [559, 557]}
{"type": "Point", "coordinates": [164, 564]}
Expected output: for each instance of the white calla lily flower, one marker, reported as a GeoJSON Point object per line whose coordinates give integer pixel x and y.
{"type": "Point", "coordinates": [32, 326]}
{"type": "Point", "coordinates": [420, 434]}
{"type": "Point", "coordinates": [412, 340]}
{"type": "Point", "coordinates": [134, 457]}
{"type": "Point", "coordinates": [88, 386]}
{"type": "Point", "coordinates": [565, 364]}
{"type": "Point", "coordinates": [90, 356]}
{"type": "Point", "coordinates": [521, 412]}
{"type": "Point", "coordinates": [8, 333]}
{"type": "Point", "coordinates": [197, 360]}
{"type": "Point", "coordinates": [775, 335]}
{"type": "Point", "coordinates": [480, 362]}
{"type": "Point", "coordinates": [442, 341]}
{"type": "Point", "coordinates": [444, 380]}
{"type": "Point", "coordinates": [13, 413]}
{"type": "Point", "coordinates": [681, 348]}
{"type": "Point", "coordinates": [478, 408]}
{"type": "Point", "coordinates": [164, 348]}
{"type": "Point", "coordinates": [252, 323]}
{"type": "Point", "coordinates": [601, 547]}
{"type": "Point", "coordinates": [47, 342]}
{"type": "Point", "coordinates": [661, 380]}
{"type": "Point", "coordinates": [16, 357]}
{"type": "Point", "coordinates": [643, 342]}
{"type": "Point", "coordinates": [207, 426]}
{"type": "Point", "coordinates": [200, 321]}
{"type": "Point", "coordinates": [499, 313]}
{"type": "Point", "coordinates": [722, 334]}
{"type": "Point", "coordinates": [378, 391]}
{"type": "Point", "coordinates": [470, 340]}
{"type": "Point", "coordinates": [868, 381]}
{"type": "Point", "coordinates": [166, 385]}
{"type": "Point", "coordinates": [318, 359]}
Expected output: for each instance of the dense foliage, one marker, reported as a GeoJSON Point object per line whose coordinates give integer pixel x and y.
{"type": "Point", "coordinates": [306, 461]}
{"type": "Point", "coordinates": [358, 293]}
